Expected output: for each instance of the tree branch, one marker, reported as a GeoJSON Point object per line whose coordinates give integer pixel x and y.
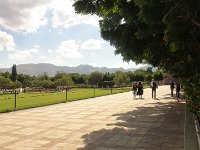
{"type": "Point", "coordinates": [195, 22]}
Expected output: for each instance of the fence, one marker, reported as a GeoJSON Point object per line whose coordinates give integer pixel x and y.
{"type": "Point", "coordinates": [16, 100]}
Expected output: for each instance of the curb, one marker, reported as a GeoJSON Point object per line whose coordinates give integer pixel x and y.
{"type": "Point", "coordinates": [190, 134]}
{"type": "Point", "coordinates": [197, 127]}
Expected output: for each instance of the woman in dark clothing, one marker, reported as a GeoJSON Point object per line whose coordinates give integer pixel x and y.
{"type": "Point", "coordinates": [178, 88]}
{"type": "Point", "coordinates": [135, 87]}
{"type": "Point", "coordinates": [140, 90]}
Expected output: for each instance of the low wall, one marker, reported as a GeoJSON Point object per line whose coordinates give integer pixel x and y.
{"type": "Point", "coordinates": [191, 140]}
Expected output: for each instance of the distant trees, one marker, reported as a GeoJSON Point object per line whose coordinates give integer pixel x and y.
{"type": "Point", "coordinates": [107, 80]}
{"type": "Point", "coordinates": [99, 79]}
{"type": "Point", "coordinates": [26, 80]}
{"type": "Point", "coordinates": [78, 78]}
{"type": "Point", "coordinates": [121, 79]}
{"type": "Point", "coordinates": [64, 80]}
{"type": "Point", "coordinates": [95, 78]}
{"type": "Point", "coordinates": [158, 75]}
{"type": "Point", "coordinates": [4, 82]}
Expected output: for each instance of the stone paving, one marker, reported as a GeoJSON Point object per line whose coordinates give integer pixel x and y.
{"type": "Point", "coordinates": [114, 122]}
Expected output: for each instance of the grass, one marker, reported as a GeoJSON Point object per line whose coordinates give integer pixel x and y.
{"type": "Point", "coordinates": [30, 100]}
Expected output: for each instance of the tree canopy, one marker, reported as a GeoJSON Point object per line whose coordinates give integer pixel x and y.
{"type": "Point", "coordinates": [163, 33]}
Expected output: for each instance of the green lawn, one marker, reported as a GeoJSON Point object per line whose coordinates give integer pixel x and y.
{"type": "Point", "coordinates": [29, 100]}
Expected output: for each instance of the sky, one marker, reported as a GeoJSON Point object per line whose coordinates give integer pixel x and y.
{"type": "Point", "coordinates": [49, 31]}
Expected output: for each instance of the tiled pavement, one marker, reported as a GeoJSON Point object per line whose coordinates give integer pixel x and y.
{"type": "Point", "coordinates": [105, 123]}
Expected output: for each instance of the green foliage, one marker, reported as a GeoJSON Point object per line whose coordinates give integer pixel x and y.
{"type": "Point", "coordinates": [149, 70]}
{"type": "Point", "coordinates": [5, 83]}
{"type": "Point", "coordinates": [27, 83]}
{"type": "Point", "coordinates": [131, 76]}
{"type": "Point", "coordinates": [139, 75]}
{"type": "Point", "coordinates": [95, 78]}
{"type": "Point", "coordinates": [43, 76]}
{"type": "Point", "coordinates": [64, 81]}
{"type": "Point", "coordinates": [121, 79]}
{"type": "Point", "coordinates": [15, 85]}
{"type": "Point", "coordinates": [5, 74]}
{"type": "Point", "coordinates": [78, 78]}
{"type": "Point", "coordinates": [158, 75]}
{"type": "Point", "coordinates": [25, 80]}
{"type": "Point", "coordinates": [59, 75]}
{"type": "Point", "coordinates": [192, 93]}
{"type": "Point", "coordinates": [162, 33]}
{"type": "Point", "coordinates": [108, 77]}
{"type": "Point", "coordinates": [14, 73]}
{"type": "Point", "coordinates": [148, 77]}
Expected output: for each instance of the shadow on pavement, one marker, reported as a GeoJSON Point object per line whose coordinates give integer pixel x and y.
{"type": "Point", "coordinates": [158, 127]}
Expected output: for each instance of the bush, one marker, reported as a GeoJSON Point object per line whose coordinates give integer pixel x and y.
{"type": "Point", "coordinates": [192, 94]}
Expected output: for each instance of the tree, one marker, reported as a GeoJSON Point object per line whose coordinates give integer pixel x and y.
{"type": "Point", "coordinates": [149, 70]}
{"type": "Point", "coordinates": [158, 75]}
{"type": "Point", "coordinates": [26, 80]}
{"type": "Point", "coordinates": [107, 80]}
{"type": "Point", "coordinates": [64, 81]}
{"type": "Point", "coordinates": [43, 76]}
{"type": "Point", "coordinates": [78, 78]}
{"type": "Point", "coordinates": [59, 75]}
{"type": "Point", "coordinates": [15, 84]}
{"type": "Point", "coordinates": [5, 74]}
{"type": "Point", "coordinates": [148, 77]}
{"type": "Point", "coordinates": [139, 75]}
{"type": "Point", "coordinates": [162, 33]}
{"type": "Point", "coordinates": [121, 79]}
{"type": "Point", "coordinates": [5, 83]}
{"type": "Point", "coordinates": [14, 73]}
{"type": "Point", "coordinates": [131, 75]}
{"type": "Point", "coordinates": [95, 78]}
{"type": "Point", "coordinates": [27, 83]}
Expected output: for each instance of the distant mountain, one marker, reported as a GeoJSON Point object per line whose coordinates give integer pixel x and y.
{"type": "Point", "coordinates": [51, 70]}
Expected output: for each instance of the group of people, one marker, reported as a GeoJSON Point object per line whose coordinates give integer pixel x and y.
{"type": "Point", "coordinates": [177, 87]}
{"type": "Point", "coordinates": [138, 89]}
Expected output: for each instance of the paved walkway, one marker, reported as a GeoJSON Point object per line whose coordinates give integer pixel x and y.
{"type": "Point", "coordinates": [110, 122]}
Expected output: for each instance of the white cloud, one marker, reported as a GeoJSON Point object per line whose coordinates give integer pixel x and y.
{"type": "Point", "coordinates": [92, 44]}
{"type": "Point", "coordinates": [69, 48]}
{"type": "Point", "coordinates": [50, 51]}
{"type": "Point", "coordinates": [23, 16]}
{"type": "Point", "coordinates": [28, 15]}
{"type": "Point", "coordinates": [64, 15]}
{"type": "Point", "coordinates": [126, 65]}
{"type": "Point", "coordinates": [22, 55]}
{"type": "Point", "coordinates": [6, 41]}
{"type": "Point", "coordinates": [36, 46]}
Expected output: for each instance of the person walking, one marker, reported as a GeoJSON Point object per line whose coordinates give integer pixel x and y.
{"type": "Point", "coordinates": [178, 88]}
{"type": "Point", "coordinates": [140, 90]}
{"type": "Point", "coordinates": [134, 89]}
{"type": "Point", "coordinates": [172, 88]}
{"type": "Point", "coordinates": [154, 86]}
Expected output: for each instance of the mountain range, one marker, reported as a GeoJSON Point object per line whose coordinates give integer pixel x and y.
{"type": "Point", "coordinates": [51, 70]}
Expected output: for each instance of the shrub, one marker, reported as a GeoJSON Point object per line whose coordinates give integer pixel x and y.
{"type": "Point", "coordinates": [192, 94]}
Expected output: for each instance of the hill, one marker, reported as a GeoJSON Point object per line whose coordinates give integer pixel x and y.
{"type": "Point", "coordinates": [51, 70]}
